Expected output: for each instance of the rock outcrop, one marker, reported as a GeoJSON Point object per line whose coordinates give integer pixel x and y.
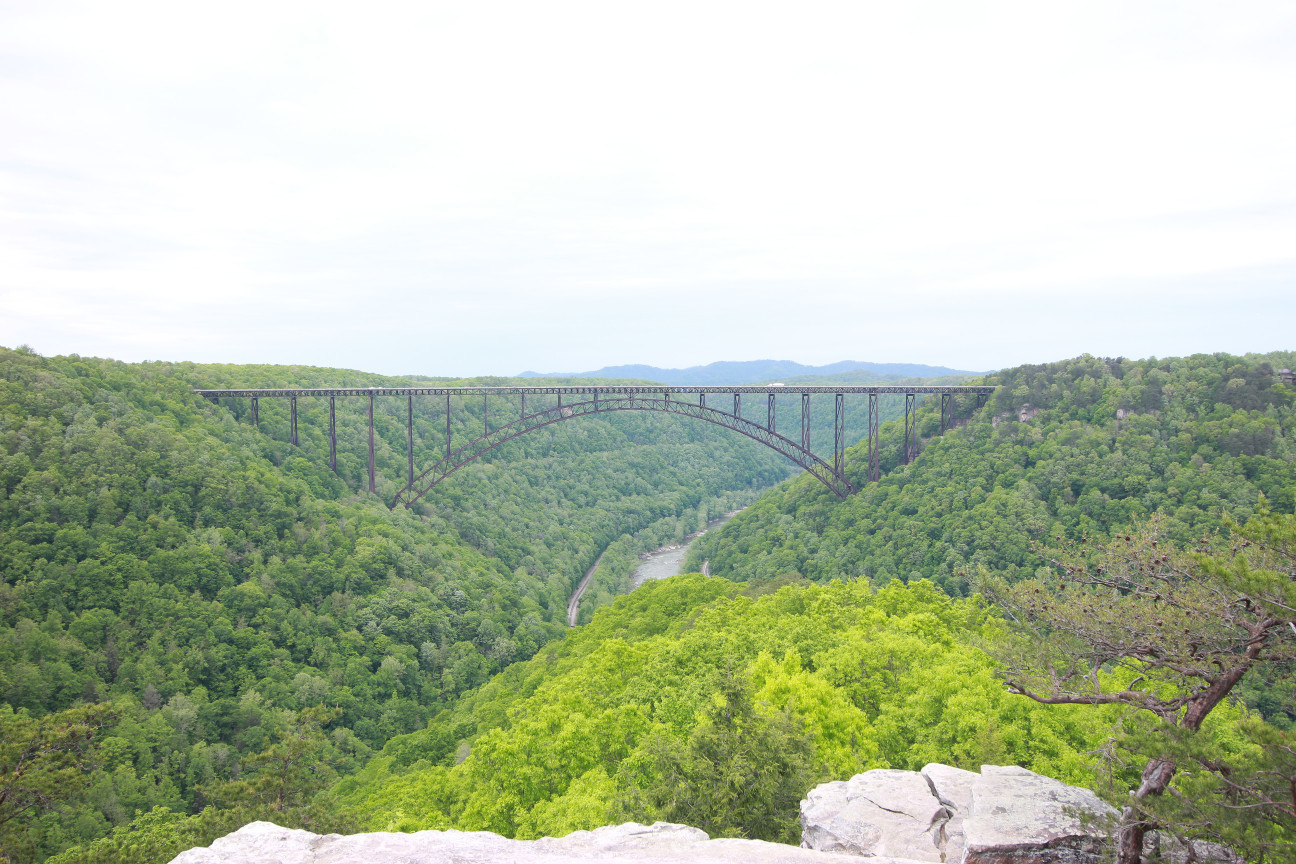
{"type": "Point", "coordinates": [880, 812]}
{"type": "Point", "coordinates": [662, 843]}
{"type": "Point", "coordinates": [1002, 815]}
{"type": "Point", "coordinates": [1020, 816]}
{"type": "Point", "coordinates": [953, 789]}
{"type": "Point", "coordinates": [940, 815]}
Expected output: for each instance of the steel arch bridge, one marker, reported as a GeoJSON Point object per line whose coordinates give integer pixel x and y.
{"type": "Point", "coordinates": [686, 401]}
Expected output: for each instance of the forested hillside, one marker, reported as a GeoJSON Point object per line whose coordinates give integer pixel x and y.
{"type": "Point", "coordinates": [699, 700]}
{"type": "Point", "coordinates": [693, 702]}
{"type": "Point", "coordinates": [214, 583]}
{"type": "Point", "coordinates": [1065, 449]}
{"type": "Point", "coordinates": [236, 626]}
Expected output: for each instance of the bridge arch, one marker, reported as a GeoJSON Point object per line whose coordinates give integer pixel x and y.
{"type": "Point", "coordinates": [604, 398]}
{"type": "Point", "coordinates": [482, 444]}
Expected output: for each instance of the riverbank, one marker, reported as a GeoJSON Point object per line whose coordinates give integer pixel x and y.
{"type": "Point", "coordinates": [666, 561]}
{"type": "Point", "coordinates": [613, 573]}
{"type": "Point", "coordinates": [659, 563]}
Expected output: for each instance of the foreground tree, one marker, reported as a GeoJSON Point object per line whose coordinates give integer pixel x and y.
{"type": "Point", "coordinates": [742, 773]}
{"type": "Point", "coordinates": [43, 761]}
{"type": "Point", "coordinates": [296, 764]}
{"type": "Point", "coordinates": [1234, 785]}
{"type": "Point", "coordinates": [1137, 623]}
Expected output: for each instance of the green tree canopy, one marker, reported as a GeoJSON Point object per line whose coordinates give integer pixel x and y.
{"type": "Point", "coordinates": [1136, 623]}
{"type": "Point", "coordinates": [44, 761]}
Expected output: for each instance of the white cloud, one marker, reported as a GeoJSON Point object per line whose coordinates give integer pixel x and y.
{"type": "Point", "coordinates": [454, 188]}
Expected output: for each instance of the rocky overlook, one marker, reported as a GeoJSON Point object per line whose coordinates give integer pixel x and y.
{"type": "Point", "coordinates": [944, 814]}
{"type": "Point", "coordinates": [630, 843]}
{"type": "Point", "coordinates": [1000, 815]}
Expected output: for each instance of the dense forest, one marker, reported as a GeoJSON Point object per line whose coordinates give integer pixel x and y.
{"type": "Point", "coordinates": [1067, 449]}
{"type": "Point", "coordinates": [690, 686]}
{"type": "Point", "coordinates": [208, 626]}
{"type": "Point", "coordinates": [211, 581]}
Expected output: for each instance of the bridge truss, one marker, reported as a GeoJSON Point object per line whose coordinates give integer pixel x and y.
{"type": "Point", "coordinates": [686, 401]}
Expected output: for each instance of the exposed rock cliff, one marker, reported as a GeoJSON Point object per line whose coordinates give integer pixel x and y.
{"type": "Point", "coordinates": [662, 843]}
{"type": "Point", "coordinates": [940, 815]}
{"type": "Point", "coordinates": [1002, 815]}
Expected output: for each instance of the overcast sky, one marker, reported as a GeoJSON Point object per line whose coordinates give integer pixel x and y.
{"type": "Point", "coordinates": [482, 187]}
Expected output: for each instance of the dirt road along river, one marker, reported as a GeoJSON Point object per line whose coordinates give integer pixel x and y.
{"type": "Point", "coordinates": [573, 605]}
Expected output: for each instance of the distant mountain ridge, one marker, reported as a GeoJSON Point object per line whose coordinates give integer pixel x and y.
{"type": "Point", "coordinates": [752, 371]}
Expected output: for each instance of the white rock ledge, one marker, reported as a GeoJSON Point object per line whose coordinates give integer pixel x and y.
{"type": "Point", "coordinates": [944, 815]}
{"type": "Point", "coordinates": [940, 815]}
{"type": "Point", "coordinates": [631, 843]}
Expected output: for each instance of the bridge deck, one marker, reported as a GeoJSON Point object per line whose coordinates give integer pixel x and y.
{"type": "Point", "coordinates": [625, 397]}
{"type": "Point", "coordinates": [578, 389]}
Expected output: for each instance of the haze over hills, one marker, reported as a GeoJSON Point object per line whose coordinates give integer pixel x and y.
{"type": "Point", "coordinates": [753, 371]}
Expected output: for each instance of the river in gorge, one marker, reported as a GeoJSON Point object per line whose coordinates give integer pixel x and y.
{"type": "Point", "coordinates": [666, 561]}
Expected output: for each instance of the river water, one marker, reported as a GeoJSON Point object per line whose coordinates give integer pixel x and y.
{"type": "Point", "coordinates": [666, 561]}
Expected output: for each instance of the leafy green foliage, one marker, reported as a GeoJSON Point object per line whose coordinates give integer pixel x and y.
{"type": "Point", "coordinates": [1069, 449]}
{"type": "Point", "coordinates": [1137, 623]}
{"type": "Point", "coordinates": [287, 773]}
{"type": "Point", "coordinates": [253, 616]}
{"type": "Point", "coordinates": [629, 717]}
{"type": "Point", "coordinates": [43, 762]}
{"type": "Point", "coordinates": [741, 772]}
{"type": "Point", "coordinates": [214, 582]}
{"type": "Point", "coordinates": [160, 834]}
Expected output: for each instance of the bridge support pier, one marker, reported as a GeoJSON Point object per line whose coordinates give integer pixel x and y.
{"type": "Point", "coordinates": [911, 427]}
{"type": "Point", "coordinates": [805, 422]}
{"type": "Point", "coordinates": [447, 425]}
{"type": "Point", "coordinates": [738, 405]}
{"type": "Point", "coordinates": [256, 414]}
{"type": "Point", "coordinates": [292, 421]}
{"type": "Point", "coordinates": [875, 465]}
{"type": "Point", "coordinates": [332, 435]}
{"type": "Point", "coordinates": [839, 436]}
{"type": "Point", "coordinates": [946, 412]}
{"type": "Point", "coordinates": [770, 424]}
{"type": "Point", "coordinates": [373, 485]}
{"type": "Point", "coordinates": [409, 432]}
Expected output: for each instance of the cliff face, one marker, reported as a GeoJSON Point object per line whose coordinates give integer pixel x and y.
{"type": "Point", "coordinates": [1000, 815]}
{"type": "Point", "coordinates": [630, 843]}
{"type": "Point", "coordinates": [944, 814]}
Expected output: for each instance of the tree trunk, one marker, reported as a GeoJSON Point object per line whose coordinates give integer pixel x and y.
{"type": "Point", "coordinates": [1156, 777]}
